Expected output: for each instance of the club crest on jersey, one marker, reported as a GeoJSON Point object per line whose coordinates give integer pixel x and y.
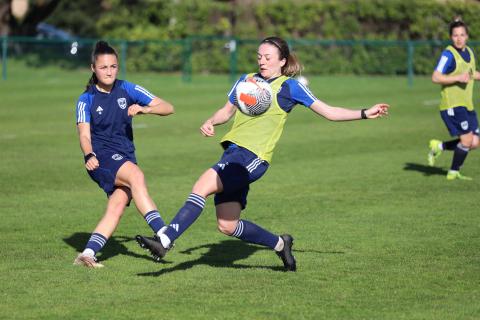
{"type": "Point", "coordinates": [117, 157]}
{"type": "Point", "coordinates": [122, 103]}
{"type": "Point", "coordinates": [464, 125]}
{"type": "Point", "coordinates": [99, 110]}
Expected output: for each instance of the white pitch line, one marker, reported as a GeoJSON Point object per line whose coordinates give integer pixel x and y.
{"type": "Point", "coordinates": [431, 102]}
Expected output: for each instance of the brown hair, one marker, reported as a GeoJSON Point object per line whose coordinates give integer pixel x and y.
{"type": "Point", "coordinates": [456, 23]}
{"type": "Point", "coordinates": [101, 47]}
{"type": "Point", "coordinates": [293, 65]}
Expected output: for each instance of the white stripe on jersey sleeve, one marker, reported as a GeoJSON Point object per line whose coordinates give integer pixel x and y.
{"type": "Point", "coordinates": [441, 64]}
{"type": "Point", "coordinates": [81, 112]}
{"type": "Point", "coordinates": [144, 91]}
{"type": "Point", "coordinates": [233, 88]}
{"type": "Point", "coordinates": [307, 92]}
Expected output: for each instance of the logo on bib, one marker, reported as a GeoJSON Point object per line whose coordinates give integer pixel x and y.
{"type": "Point", "coordinates": [122, 103]}
{"type": "Point", "coordinates": [117, 157]}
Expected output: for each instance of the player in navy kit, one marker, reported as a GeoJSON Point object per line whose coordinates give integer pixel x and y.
{"type": "Point", "coordinates": [248, 151]}
{"type": "Point", "coordinates": [104, 121]}
{"type": "Point", "coordinates": [456, 73]}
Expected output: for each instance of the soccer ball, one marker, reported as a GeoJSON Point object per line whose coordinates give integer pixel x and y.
{"type": "Point", "coordinates": [253, 96]}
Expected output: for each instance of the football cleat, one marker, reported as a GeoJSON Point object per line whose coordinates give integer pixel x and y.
{"type": "Point", "coordinates": [153, 245]}
{"type": "Point", "coordinates": [434, 152]}
{"type": "Point", "coordinates": [286, 254]}
{"type": "Point", "coordinates": [455, 175]}
{"type": "Point", "coordinates": [87, 261]}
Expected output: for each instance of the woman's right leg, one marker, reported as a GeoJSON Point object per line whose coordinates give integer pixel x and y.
{"type": "Point", "coordinates": [208, 183]}
{"type": "Point", "coordinates": [116, 204]}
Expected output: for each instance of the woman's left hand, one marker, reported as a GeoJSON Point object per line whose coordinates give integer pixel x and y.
{"type": "Point", "coordinates": [377, 111]}
{"type": "Point", "coordinates": [135, 109]}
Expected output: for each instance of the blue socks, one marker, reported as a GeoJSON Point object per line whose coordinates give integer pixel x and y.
{"type": "Point", "coordinates": [187, 215]}
{"type": "Point", "coordinates": [245, 230]}
{"type": "Point", "coordinates": [459, 155]}
{"type": "Point", "coordinates": [154, 220]}
{"type": "Point", "coordinates": [250, 232]}
{"type": "Point", "coordinates": [95, 243]}
{"type": "Point", "coordinates": [450, 145]}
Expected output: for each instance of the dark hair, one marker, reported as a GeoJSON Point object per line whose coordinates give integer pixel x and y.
{"type": "Point", "coordinates": [456, 23]}
{"type": "Point", "coordinates": [101, 47]}
{"type": "Point", "coordinates": [292, 66]}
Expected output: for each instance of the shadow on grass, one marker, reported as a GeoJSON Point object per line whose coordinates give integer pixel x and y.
{"type": "Point", "coordinates": [115, 246]}
{"type": "Point", "coordinates": [219, 255]}
{"type": "Point", "coordinates": [426, 170]}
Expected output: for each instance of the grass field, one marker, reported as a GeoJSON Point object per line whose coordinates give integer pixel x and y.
{"type": "Point", "coordinates": [379, 235]}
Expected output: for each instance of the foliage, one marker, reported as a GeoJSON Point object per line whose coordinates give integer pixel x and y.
{"type": "Point", "coordinates": [215, 21]}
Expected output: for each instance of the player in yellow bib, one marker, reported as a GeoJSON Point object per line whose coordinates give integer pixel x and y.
{"type": "Point", "coordinates": [456, 72]}
{"type": "Point", "coordinates": [248, 152]}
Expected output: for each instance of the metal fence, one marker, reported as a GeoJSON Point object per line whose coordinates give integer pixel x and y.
{"type": "Point", "coordinates": [213, 54]}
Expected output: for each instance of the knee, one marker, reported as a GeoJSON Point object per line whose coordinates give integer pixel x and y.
{"type": "Point", "coordinates": [474, 144]}
{"type": "Point", "coordinates": [467, 141]}
{"type": "Point", "coordinates": [227, 227]}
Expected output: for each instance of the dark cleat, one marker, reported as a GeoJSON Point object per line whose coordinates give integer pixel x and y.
{"type": "Point", "coordinates": [286, 254]}
{"type": "Point", "coordinates": [153, 245]}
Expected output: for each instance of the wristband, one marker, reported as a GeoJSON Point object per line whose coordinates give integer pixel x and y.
{"type": "Point", "coordinates": [88, 156]}
{"type": "Point", "coordinates": [363, 114]}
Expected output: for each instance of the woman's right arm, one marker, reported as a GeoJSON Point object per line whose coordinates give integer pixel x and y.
{"type": "Point", "coordinates": [221, 116]}
{"type": "Point", "coordinates": [86, 145]}
{"type": "Point", "coordinates": [439, 78]}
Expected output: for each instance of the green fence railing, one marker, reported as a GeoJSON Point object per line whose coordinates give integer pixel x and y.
{"type": "Point", "coordinates": [231, 55]}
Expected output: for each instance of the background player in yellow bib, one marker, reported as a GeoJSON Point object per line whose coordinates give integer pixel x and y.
{"type": "Point", "coordinates": [456, 72]}
{"type": "Point", "coordinates": [248, 151]}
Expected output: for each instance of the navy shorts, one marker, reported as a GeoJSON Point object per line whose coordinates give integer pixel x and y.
{"type": "Point", "coordinates": [237, 168]}
{"type": "Point", "coordinates": [105, 174]}
{"type": "Point", "coordinates": [460, 120]}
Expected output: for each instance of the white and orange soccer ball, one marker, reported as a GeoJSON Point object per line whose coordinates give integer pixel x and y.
{"type": "Point", "coordinates": [253, 96]}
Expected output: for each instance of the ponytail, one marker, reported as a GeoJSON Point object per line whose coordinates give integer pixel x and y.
{"type": "Point", "coordinates": [101, 47]}
{"type": "Point", "coordinates": [92, 81]}
{"type": "Point", "coordinates": [292, 67]}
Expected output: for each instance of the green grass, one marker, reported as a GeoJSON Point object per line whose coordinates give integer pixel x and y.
{"type": "Point", "coordinates": [378, 234]}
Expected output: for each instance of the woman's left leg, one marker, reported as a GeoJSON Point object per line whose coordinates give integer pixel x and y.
{"type": "Point", "coordinates": [229, 223]}
{"type": "Point", "coordinates": [132, 176]}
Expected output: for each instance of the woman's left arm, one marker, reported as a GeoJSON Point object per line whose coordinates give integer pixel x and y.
{"type": "Point", "coordinates": [156, 106]}
{"type": "Point", "coordinates": [343, 114]}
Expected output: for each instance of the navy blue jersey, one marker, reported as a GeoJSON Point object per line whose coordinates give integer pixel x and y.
{"type": "Point", "coordinates": [446, 64]}
{"type": "Point", "coordinates": [107, 114]}
{"type": "Point", "coordinates": [291, 93]}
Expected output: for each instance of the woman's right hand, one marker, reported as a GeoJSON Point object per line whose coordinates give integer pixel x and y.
{"type": "Point", "coordinates": [92, 164]}
{"type": "Point", "coordinates": [207, 129]}
{"type": "Point", "coordinates": [463, 78]}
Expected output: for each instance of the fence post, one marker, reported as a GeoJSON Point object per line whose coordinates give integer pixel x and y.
{"type": "Point", "coordinates": [123, 63]}
{"type": "Point", "coordinates": [410, 52]}
{"type": "Point", "coordinates": [187, 60]}
{"type": "Point", "coordinates": [232, 45]}
{"type": "Point", "coordinates": [4, 57]}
